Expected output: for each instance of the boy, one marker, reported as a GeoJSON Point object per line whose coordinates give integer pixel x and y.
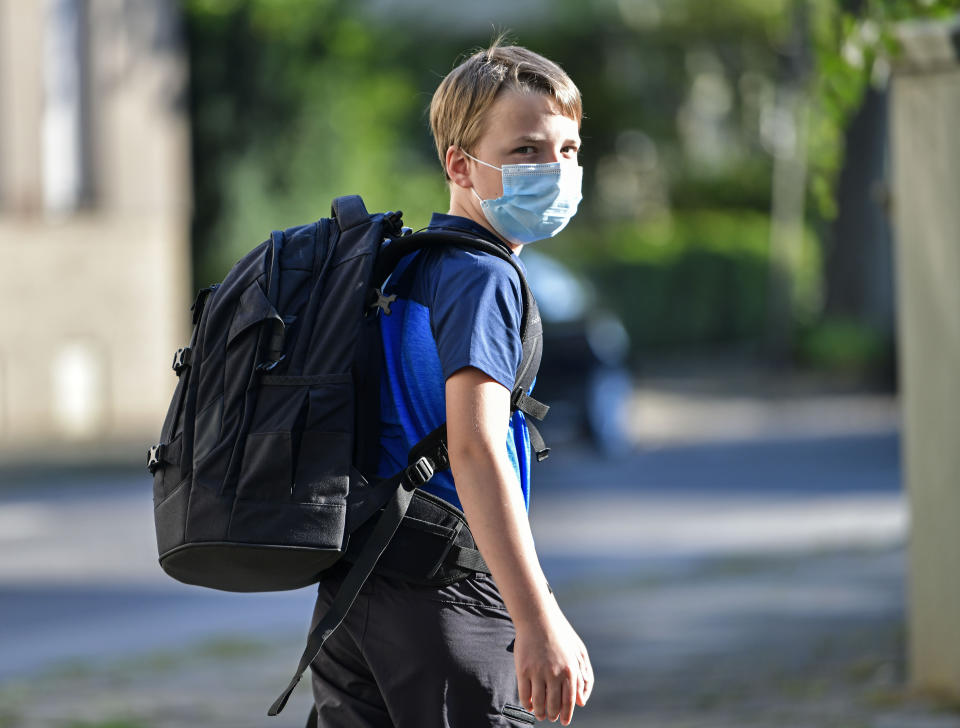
{"type": "Point", "coordinates": [482, 651]}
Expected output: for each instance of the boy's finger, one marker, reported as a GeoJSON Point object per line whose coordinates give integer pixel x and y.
{"type": "Point", "coordinates": [525, 692]}
{"type": "Point", "coordinates": [567, 699]}
{"type": "Point", "coordinates": [588, 679]}
{"type": "Point", "coordinates": [538, 699]}
{"type": "Point", "coordinates": [554, 698]}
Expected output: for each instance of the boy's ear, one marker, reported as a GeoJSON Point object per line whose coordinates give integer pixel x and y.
{"type": "Point", "coordinates": [458, 167]}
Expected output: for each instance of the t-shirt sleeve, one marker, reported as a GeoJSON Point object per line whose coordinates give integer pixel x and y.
{"type": "Point", "coordinates": [475, 315]}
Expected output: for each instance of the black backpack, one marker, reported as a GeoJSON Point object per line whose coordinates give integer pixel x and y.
{"type": "Point", "coordinates": [265, 473]}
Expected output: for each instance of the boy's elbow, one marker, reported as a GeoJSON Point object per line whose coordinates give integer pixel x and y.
{"type": "Point", "coordinates": [472, 452]}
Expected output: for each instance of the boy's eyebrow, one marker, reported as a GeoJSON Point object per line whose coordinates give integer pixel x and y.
{"type": "Point", "coordinates": [537, 139]}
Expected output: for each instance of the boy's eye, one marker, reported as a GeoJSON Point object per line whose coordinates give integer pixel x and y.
{"type": "Point", "coordinates": [525, 150]}
{"type": "Point", "coordinates": [570, 149]}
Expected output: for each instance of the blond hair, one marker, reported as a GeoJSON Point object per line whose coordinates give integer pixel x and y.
{"type": "Point", "coordinates": [460, 104]}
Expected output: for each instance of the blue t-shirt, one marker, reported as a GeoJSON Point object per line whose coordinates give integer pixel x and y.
{"type": "Point", "coordinates": [455, 308]}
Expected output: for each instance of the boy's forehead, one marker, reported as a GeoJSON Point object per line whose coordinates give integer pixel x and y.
{"type": "Point", "coordinates": [528, 115]}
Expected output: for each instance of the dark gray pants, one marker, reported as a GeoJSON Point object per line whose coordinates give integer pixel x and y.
{"type": "Point", "coordinates": [410, 656]}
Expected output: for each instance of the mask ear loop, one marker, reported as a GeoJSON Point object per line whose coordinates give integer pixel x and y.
{"type": "Point", "coordinates": [480, 161]}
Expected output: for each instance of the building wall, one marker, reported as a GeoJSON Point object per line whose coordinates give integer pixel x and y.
{"type": "Point", "coordinates": [96, 293]}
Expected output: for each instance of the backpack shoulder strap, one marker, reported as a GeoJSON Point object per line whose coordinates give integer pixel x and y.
{"type": "Point", "coordinates": [399, 248]}
{"type": "Point", "coordinates": [387, 525]}
{"type": "Point", "coordinates": [433, 446]}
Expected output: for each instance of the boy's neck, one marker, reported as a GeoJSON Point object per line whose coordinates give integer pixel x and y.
{"type": "Point", "coordinates": [462, 211]}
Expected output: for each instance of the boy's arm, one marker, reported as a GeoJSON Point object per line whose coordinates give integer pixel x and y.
{"type": "Point", "coordinates": [553, 668]}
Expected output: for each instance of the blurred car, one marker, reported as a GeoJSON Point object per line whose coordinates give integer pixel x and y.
{"type": "Point", "coordinates": [583, 375]}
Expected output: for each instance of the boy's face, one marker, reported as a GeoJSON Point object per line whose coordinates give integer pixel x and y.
{"type": "Point", "coordinates": [521, 128]}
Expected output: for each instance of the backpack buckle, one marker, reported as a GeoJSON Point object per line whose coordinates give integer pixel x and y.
{"type": "Point", "coordinates": [418, 473]}
{"type": "Point", "coordinates": [182, 359]}
{"type": "Point", "coordinates": [442, 457]}
{"type": "Point", "coordinates": [154, 456]}
{"type": "Point", "coordinates": [394, 221]}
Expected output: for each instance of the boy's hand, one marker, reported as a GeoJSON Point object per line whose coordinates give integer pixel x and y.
{"type": "Point", "coordinates": [553, 668]}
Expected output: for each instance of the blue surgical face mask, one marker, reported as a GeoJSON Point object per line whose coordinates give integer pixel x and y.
{"type": "Point", "coordinates": [538, 199]}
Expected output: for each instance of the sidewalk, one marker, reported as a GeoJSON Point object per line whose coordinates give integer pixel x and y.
{"type": "Point", "coordinates": [677, 407]}
{"type": "Point", "coordinates": [715, 583]}
{"type": "Point", "coordinates": [771, 642]}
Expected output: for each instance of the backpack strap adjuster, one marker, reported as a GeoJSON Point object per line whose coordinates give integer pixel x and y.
{"type": "Point", "coordinates": [182, 359]}
{"type": "Point", "coordinates": [268, 366]}
{"type": "Point", "coordinates": [201, 301]}
{"type": "Point", "coordinates": [418, 473]}
{"type": "Point", "coordinates": [528, 405]}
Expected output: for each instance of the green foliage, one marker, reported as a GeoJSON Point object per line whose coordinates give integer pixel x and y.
{"type": "Point", "coordinates": [696, 279]}
{"type": "Point", "coordinates": [745, 186]}
{"type": "Point", "coordinates": [842, 345]}
{"type": "Point", "coordinates": [854, 45]}
{"type": "Point", "coordinates": [294, 103]}
{"type": "Point", "coordinates": [297, 101]}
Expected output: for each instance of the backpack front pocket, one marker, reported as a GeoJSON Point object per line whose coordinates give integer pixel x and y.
{"type": "Point", "coordinates": [300, 445]}
{"type": "Point", "coordinates": [326, 446]}
{"type": "Point", "coordinates": [266, 470]}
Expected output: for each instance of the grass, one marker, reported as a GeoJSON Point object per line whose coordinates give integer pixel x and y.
{"type": "Point", "coordinates": [90, 680]}
{"type": "Point", "coordinates": [163, 661]}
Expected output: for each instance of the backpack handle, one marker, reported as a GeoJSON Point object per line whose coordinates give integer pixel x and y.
{"type": "Point", "coordinates": [349, 211]}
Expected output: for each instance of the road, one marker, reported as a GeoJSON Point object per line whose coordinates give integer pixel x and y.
{"type": "Point", "coordinates": [79, 577]}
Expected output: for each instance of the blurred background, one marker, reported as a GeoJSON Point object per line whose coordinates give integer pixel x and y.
{"type": "Point", "coordinates": [751, 337]}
